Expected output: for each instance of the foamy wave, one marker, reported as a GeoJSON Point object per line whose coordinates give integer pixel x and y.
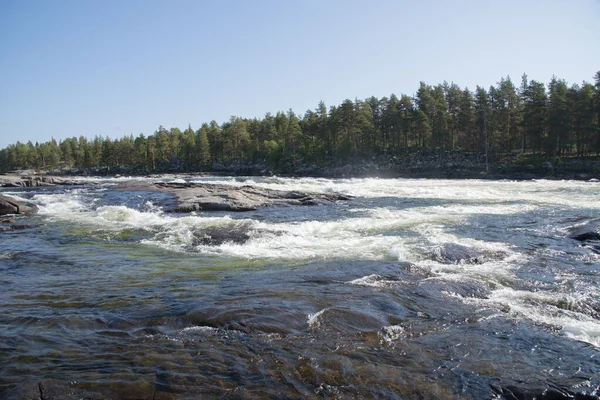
{"type": "Point", "coordinates": [61, 205]}
{"type": "Point", "coordinates": [566, 312]}
{"type": "Point", "coordinates": [314, 320]}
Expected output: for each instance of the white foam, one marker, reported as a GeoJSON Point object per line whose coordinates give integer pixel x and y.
{"type": "Point", "coordinates": [542, 308]}
{"type": "Point", "coordinates": [60, 205]}
{"type": "Point", "coordinates": [200, 329]}
{"type": "Point", "coordinates": [313, 320]}
{"type": "Point", "coordinates": [374, 280]}
{"type": "Point", "coordinates": [389, 334]}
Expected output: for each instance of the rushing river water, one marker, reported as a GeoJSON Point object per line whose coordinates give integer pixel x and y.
{"type": "Point", "coordinates": [412, 289]}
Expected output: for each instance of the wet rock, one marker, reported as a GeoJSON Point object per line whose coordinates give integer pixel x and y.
{"type": "Point", "coordinates": [452, 253]}
{"type": "Point", "coordinates": [10, 205]}
{"type": "Point", "coordinates": [269, 319]}
{"type": "Point", "coordinates": [61, 390]}
{"type": "Point", "coordinates": [13, 228]}
{"type": "Point", "coordinates": [466, 288]}
{"type": "Point", "coordinates": [216, 236]}
{"type": "Point", "coordinates": [542, 393]}
{"type": "Point", "coordinates": [415, 269]}
{"type": "Point", "coordinates": [217, 197]}
{"type": "Point", "coordinates": [36, 180]}
{"type": "Point", "coordinates": [54, 180]}
{"type": "Point", "coordinates": [589, 231]}
{"type": "Point", "coordinates": [29, 390]}
{"type": "Point", "coordinates": [345, 320]}
{"type": "Point", "coordinates": [51, 389]}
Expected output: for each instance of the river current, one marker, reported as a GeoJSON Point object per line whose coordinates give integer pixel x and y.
{"type": "Point", "coordinates": [412, 289]}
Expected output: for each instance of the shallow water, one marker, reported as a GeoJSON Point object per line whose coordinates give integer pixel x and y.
{"type": "Point", "coordinates": [412, 289]}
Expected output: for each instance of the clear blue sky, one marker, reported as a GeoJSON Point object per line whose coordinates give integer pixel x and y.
{"type": "Point", "coordinates": [119, 67]}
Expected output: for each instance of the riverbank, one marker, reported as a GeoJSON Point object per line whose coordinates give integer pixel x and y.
{"type": "Point", "coordinates": [433, 165]}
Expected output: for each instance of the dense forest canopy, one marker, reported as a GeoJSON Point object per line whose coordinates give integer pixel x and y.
{"type": "Point", "coordinates": [551, 120]}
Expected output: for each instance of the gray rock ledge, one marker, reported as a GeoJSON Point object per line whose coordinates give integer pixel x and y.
{"type": "Point", "coordinates": [37, 180]}
{"type": "Point", "coordinates": [10, 205]}
{"type": "Point", "coordinates": [193, 196]}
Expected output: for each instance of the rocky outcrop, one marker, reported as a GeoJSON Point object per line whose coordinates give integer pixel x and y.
{"type": "Point", "coordinates": [217, 197]}
{"type": "Point", "coordinates": [10, 205]}
{"type": "Point", "coordinates": [35, 180]}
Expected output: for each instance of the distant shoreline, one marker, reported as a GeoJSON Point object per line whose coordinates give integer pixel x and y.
{"type": "Point", "coordinates": [75, 178]}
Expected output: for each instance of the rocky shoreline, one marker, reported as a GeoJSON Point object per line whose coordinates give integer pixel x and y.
{"type": "Point", "coordinates": [33, 179]}
{"type": "Point", "coordinates": [191, 196]}
{"type": "Point", "coordinates": [426, 164]}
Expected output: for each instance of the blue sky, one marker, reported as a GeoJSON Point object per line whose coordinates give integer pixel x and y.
{"type": "Point", "coordinates": [113, 67]}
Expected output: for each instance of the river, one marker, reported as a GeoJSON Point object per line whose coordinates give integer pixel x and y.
{"type": "Point", "coordinates": [413, 289]}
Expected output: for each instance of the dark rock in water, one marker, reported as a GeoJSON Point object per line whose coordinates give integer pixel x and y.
{"type": "Point", "coordinates": [13, 228]}
{"type": "Point", "coordinates": [217, 197]}
{"type": "Point", "coordinates": [255, 319]}
{"type": "Point", "coordinates": [543, 393]}
{"type": "Point", "coordinates": [467, 288]}
{"type": "Point", "coordinates": [28, 390]}
{"type": "Point", "coordinates": [589, 231]}
{"type": "Point", "coordinates": [8, 224]}
{"type": "Point", "coordinates": [452, 253]}
{"type": "Point", "coordinates": [56, 389]}
{"type": "Point", "coordinates": [415, 269]}
{"type": "Point", "coordinates": [10, 205]}
{"type": "Point", "coordinates": [51, 389]}
{"type": "Point", "coordinates": [217, 236]}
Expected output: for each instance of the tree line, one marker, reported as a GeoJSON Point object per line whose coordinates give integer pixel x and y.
{"type": "Point", "coordinates": [551, 120]}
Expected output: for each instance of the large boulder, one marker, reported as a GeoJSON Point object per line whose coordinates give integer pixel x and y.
{"type": "Point", "coordinates": [10, 205]}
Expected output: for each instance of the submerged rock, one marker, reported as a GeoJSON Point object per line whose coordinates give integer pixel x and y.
{"type": "Point", "coordinates": [216, 236]}
{"type": "Point", "coordinates": [452, 253]}
{"type": "Point", "coordinates": [10, 205]}
{"type": "Point", "coordinates": [51, 389]}
{"type": "Point", "coordinates": [218, 197]}
{"type": "Point", "coordinates": [589, 231]}
{"type": "Point", "coordinates": [13, 227]}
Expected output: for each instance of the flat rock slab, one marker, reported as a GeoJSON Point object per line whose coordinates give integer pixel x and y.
{"type": "Point", "coordinates": [193, 196]}
{"type": "Point", "coordinates": [37, 180]}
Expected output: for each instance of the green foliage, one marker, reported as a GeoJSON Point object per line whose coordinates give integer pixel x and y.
{"type": "Point", "coordinates": [542, 123]}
